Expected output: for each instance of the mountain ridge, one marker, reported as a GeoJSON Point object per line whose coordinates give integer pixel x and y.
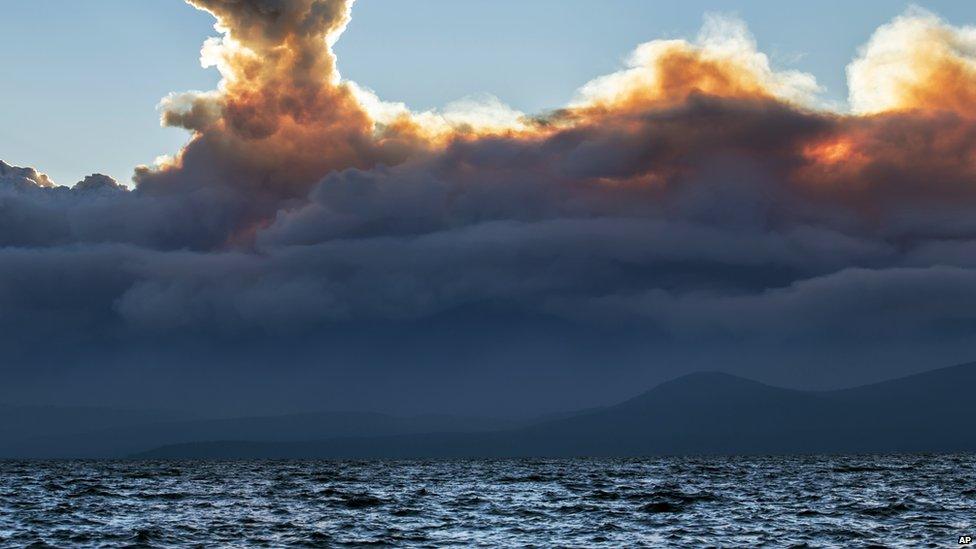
{"type": "Point", "coordinates": [700, 413]}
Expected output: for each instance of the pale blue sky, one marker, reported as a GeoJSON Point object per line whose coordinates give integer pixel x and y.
{"type": "Point", "coordinates": [82, 78]}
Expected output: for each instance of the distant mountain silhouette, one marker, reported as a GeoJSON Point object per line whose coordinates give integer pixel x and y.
{"type": "Point", "coordinates": [25, 420]}
{"type": "Point", "coordinates": [80, 432]}
{"type": "Point", "coordinates": [704, 413]}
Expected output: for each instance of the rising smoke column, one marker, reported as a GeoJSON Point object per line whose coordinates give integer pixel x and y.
{"type": "Point", "coordinates": [280, 120]}
{"type": "Point", "coordinates": [281, 108]}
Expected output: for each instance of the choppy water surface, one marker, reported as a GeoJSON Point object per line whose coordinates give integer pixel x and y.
{"type": "Point", "coordinates": [819, 501]}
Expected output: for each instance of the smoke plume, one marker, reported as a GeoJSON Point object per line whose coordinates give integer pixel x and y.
{"type": "Point", "coordinates": [697, 195]}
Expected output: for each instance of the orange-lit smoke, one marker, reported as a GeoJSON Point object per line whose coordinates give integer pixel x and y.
{"type": "Point", "coordinates": [915, 62]}
{"type": "Point", "coordinates": [698, 156]}
{"type": "Point", "coordinates": [722, 62]}
{"type": "Point", "coordinates": [283, 118]}
{"type": "Point", "coordinates": [281, 112]}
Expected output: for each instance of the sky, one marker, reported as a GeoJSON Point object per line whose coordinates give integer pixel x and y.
{"type": "Point", "coordinates": [89, 74]}
{"type": "Point", "coordinates": [479, 208]}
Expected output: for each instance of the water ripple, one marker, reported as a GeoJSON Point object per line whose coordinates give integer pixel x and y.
{"type": "Point", "coordinates": [836, 501]}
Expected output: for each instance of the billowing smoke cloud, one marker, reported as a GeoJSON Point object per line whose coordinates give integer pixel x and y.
{"type": "Point", "coordinates": [723, 62]}
{"type": "Point", "coordinates": [915, 62]}
{"type": "Point", "coordinates": [698, 197]}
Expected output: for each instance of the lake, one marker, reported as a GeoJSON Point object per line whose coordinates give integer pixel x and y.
{"type": "Point", "coordinates": [829, 501]}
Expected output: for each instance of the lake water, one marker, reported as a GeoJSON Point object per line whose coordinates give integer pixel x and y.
{"type": "Point", "coordinates": [910, 501]}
